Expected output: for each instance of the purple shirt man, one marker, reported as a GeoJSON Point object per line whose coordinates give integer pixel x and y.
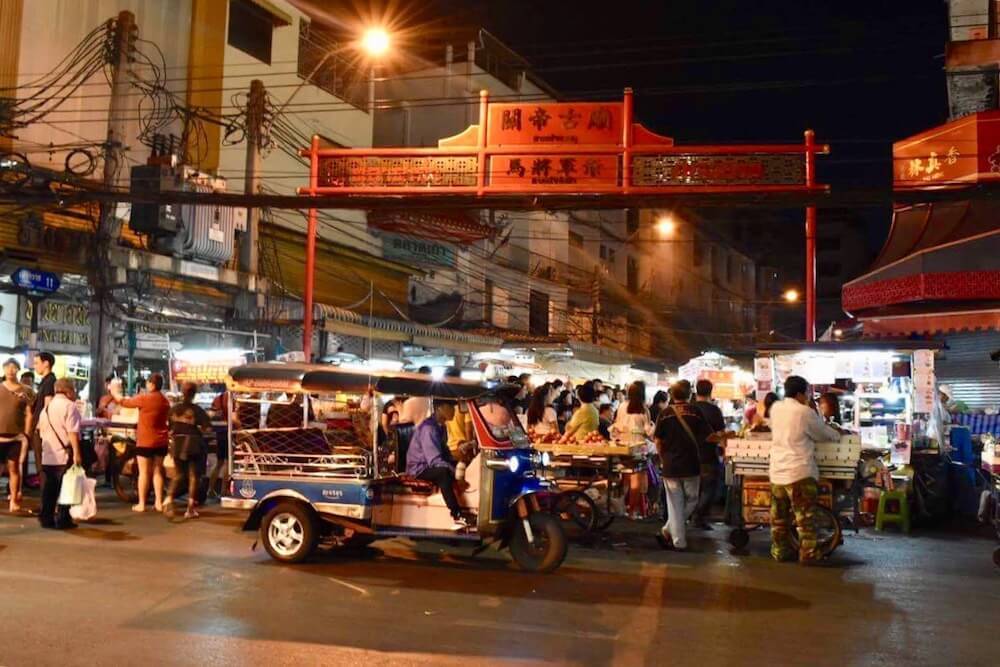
{"type": "Point", "coordinates": [428, 448]}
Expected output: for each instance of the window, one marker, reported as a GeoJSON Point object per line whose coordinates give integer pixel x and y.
{"type": "Point", "coordinates": [730, 268]}
{"type": "Point", "coordinates": [575, 240]}
{"type": "Point", "coordinates": [632, 221]}
{"type": "Point", "coordinates": [604, 251]}
{"type": "Point", "coordinates": [488, 302]}
{"type": "Point", "coordinates": [611, 255]}
{"type": "Point", "coordinates": [250, 29]}
{"type": "Point", "coordinates": [538, 313]}
{"type": "Point", "coordinates": [632, 274]}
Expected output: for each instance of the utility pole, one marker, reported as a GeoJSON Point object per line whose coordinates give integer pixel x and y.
{"type": "Point", "coordinates": [255, 141]}
{"type": "Point", "coordinates": [101, 272]}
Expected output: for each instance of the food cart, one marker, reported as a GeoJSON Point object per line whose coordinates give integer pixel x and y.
{"type": "Point", "coordinates": [747, 461]}
{"type": "Point", "coordinates": [991, 466]}
{"type": "Point", "coordinates": [885, 391]}
{"type": "Point", "coordinates": [589, 476]}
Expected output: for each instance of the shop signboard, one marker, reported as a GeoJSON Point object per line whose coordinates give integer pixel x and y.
{"type": "Point", "coordinates": [63, 326]}
{"type": "Point", "coordinates": [554, 171]}
{"type": "Point", "coordinates": [962, 152]}
{"type": "Point", "coordinates": [152, 341]}
{"type": "Point", "coordinates": [417, 250]}
{"type": "Point", "coordinates": [555, 123]}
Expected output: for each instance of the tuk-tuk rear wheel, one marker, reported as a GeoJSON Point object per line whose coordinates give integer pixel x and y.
{"type": "Point", "coordinates": [546, 552]}
{"type": "Point", "coordinates": [289, 532]}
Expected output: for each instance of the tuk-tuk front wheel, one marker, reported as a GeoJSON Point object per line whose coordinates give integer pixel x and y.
{"type": "Point", "coordinates": [289, 532]}
{"type": "Point", "coordinates": [546, 549]}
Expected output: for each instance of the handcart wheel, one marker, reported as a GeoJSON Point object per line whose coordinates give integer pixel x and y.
{"type": "Point", "coordinates": [603, 519]}
{"type": "Point", "coordinates": [576, 511]}
{"type": "Point", "coordinates": [996, 557]}
{"type": "Point", "coordinates": [739, 538]}
{"type": "Point", "coordinates": [829, 535]}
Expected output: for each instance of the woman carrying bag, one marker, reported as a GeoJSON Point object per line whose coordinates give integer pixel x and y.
{"type": "Point", "coordinates": [188, 424]}
{"type": "Point", "coordinates": [59, 426]}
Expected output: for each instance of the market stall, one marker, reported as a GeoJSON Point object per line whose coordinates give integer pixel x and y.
{"type": "Point", "coordinates": [884, 396]}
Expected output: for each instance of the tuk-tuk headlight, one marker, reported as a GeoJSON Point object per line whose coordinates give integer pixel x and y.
{"type": "Point", "coordinates": [513, 464]}
{"type": "Point", "coordinates": [546, 459]}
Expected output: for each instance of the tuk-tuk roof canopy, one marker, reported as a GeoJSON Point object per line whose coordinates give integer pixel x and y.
{"type": "Point", "coordinates": [318, 379]}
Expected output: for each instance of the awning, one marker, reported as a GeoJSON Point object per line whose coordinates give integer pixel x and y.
{"type": "Point", "coordinates": [944, 257]}
{"type": "Point", "coordinates": [347, 322]}
{"type": "Point", "coordinates": [931, 324]}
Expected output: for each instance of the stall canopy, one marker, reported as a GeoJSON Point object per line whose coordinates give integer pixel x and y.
{"type": "Point", "coordinates": [343, 321]}
{"type": "Point", "coordinates": [938, 272]}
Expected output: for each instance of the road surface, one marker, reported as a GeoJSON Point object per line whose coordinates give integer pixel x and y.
{"type": "Point", "coordinates": [137, 589]}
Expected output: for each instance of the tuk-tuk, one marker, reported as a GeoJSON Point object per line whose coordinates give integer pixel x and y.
{"type": "Point", "coordinates": [306, 459]}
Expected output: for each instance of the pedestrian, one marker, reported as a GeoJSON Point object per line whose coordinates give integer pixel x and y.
{"type": "Point", "coordinates": [106, 406]}
{"type": "Point", "coordinates": [795, 430]}
{"type": "Point", "coordinates": [829, 408]}
{"type": "Point", "coordinates": [605, 422]}
{"type": "Point", "coordinates": [15, 423]}
{"type": "Point", "coordinates": [586, 419]}
{"type": "Point", "coordinates": [59, 434]}
{"type": "Point", "coordinates": [220, 412]}
{"type": "Point", "coordinates": [564, 408]}
{"type": "Point", "coordinates": [188, 425]}
{"type": "Point", "coordinates": [152, 438]}
{"type": "Point", "coordinates": [28, 382]}
{"type": "Point", "coordinates": [659, 402]}
{"type": "Point", "coordinates": [430, 460]}
{"type": "Point", "coordinates": [44, 361]}
{"type": "Point", "coordinates": [632, 426]}
{"type": "Point", "coordinates": [709, 451]}
{"type": "Point", "coordinates": [542, 418]}
{"type": "Point", "coordinates": [678, 435]}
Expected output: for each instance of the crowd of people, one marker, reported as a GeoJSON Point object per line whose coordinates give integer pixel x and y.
{"type": "Point", "coordinates": [435, 440]}
{"type": "Point", "coordinates": [42, 419]}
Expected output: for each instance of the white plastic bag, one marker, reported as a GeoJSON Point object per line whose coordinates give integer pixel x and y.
{"type": "Point", "coordinates": [88, 508]}
{"type": "Point", "coordinates": [73, 483]}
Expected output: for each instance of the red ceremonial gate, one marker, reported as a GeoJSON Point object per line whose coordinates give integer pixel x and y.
{"type": "Point", "coordinates": [566, 148]}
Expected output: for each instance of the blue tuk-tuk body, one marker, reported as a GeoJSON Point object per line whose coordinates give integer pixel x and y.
{"type": "Point", "coordinates": [307, 460]}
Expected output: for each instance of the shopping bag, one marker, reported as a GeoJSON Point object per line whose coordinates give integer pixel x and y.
{"type": "Point", "coordinates": [73, 482]}
{"type": "Point", "coordinates": [88, 508]}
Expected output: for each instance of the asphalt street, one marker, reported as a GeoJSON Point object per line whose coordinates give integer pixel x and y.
{"type": "Point", "coordinates": [139, 590]}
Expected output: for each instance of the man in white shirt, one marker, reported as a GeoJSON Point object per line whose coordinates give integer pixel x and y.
{"type": "Point", "coordinates": [795, 430]}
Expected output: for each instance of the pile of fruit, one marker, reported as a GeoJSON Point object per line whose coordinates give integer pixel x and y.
{"type": "Point", "coordinates": [546, 439]}
{"type": "Point", "coordinates": [592, 438]}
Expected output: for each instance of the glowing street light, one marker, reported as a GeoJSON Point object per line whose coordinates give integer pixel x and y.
{"type": "Point", "coordinates": [375, 41]}
{"type": "Point", "coordinates": [666, 226]}
{"type": "Point", "coordinates": [791, 295]}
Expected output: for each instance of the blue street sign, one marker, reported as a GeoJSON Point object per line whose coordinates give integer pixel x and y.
{"type": "Point", "coordinates": [35, 281]}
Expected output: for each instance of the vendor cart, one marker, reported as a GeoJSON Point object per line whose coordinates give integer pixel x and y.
{"type": "Point", "coordinates": [589, 478]}
{"type": "Point", "coordinates": [747, 462]}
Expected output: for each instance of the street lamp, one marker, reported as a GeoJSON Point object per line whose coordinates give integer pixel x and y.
{"type": "Point", "coordinates": [375, 41]}
{"type": "Point", "coordinates": [666, 226]}
{"type": "Point", "coordinates": [791, 295]}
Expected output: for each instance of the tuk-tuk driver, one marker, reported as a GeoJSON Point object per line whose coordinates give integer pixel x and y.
{"type": "Point", "coordinates": [429, 459]}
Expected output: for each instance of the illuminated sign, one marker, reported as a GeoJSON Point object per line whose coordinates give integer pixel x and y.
{"type": "Point", "coordinates": [548, 171]}
{"type": "Point", "coordinates": [555, 123]}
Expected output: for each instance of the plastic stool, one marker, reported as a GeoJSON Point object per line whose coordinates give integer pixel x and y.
{"type": "Point", "coordinates": [900, 517]}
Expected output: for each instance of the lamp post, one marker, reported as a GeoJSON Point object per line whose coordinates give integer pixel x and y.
{"type": "Point", "coordinates": [375, 42]}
